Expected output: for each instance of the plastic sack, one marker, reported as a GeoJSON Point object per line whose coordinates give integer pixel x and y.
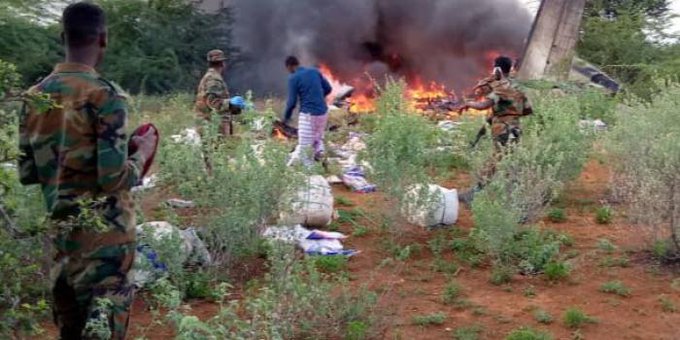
{"type": "Point", "coordinates": [441, 206]}
{"type": "Point", "coordinates": [312, 205]}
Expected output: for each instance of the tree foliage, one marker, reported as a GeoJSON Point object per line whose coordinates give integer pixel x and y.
{"type": "Point", "coordinates": [656, 8]}
{"type": "Point", "coordinates": [627, 40]}
{"type": "Point", "coordinates": [154, 46]}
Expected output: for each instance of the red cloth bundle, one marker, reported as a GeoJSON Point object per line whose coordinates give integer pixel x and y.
{"type": "Point", "coordinates": [133, 147]}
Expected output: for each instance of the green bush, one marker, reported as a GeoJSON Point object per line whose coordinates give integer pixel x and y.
{"type": "Point", "coordinates": [667, 305]}
{"type": "Point", "coordinates": [451, 293]}
{"type": "Point", "coordinates": [154, 46]}
{"type": "Point", "coordinates": [401, 140]}
{"type": "Point", "coordinates": [555, 271]}
{"type": "Point", "coordinates": [557, 215]}
{"type": "Point", "coordinates": [429, 319]}
{"type": "Point", "coordinates": [615, 287]}
{"type": "Point", "coordinates": [606, 245]}
{"type": "Point", "coordinates": [552, 151]}
{"type": "Point", "coordinates": [357, 330]}
{"type": "Point", "coordinates": [331, 264]}
{"type": "Point", "coordinates": [543, 316]}
{"type": "Point", "coordinates": [604, 215]}
{"type": "Point", "coordinates": [501, 274]}
{"type": "Point", "coordinates": [23, 261]}
{"type": "Point", "coordinates": [575, 318]}
{"type": "Point", "coordinates": [647, 166]}
{"type": "Point", "coordinates": [467, 333]}
{"type": "Point", "coordinates": [528, 333]}
{"type": "Point", "coordinates": [295, 301]}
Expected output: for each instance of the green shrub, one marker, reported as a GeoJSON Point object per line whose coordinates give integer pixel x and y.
{"type": "Point", "coordinates": [543, 316]}
{"type": "Point", "coordinates": [604, 215]}
{"type": "Point", "coordinates": [667, 305]}
{"type": "Point", "coordinates": [528, 333]}
{"type": "Point", "coordinates": [609, 261]}
{"type": "Point", "coordinates": [555, 271]}
{"type": "Point", "coordinates": [467, 332]}
{"type": "Point", "coordinates": [557, 215]}
{"type": "Point", "coordinates": [647, 166]}
{"type": "Point", "coordinates": [198, 285]}
{"type": "Point", "coordinates": [451, 293]}
{"type": "Point", "coordinates": [357, 330]}
{"type": "Point", "coordinates": [331, 264]}
{"type": "Point", "coordinates": [294, 301]}
{"type": "Point", "coordinates": [501, 274]}
{"type": "Point", "coordinates": [444, 266]}
{"type": "Point", "coordinates": [401, 140]}
{"type": "Point", "coordinates": [429, 319]}
{"type": "Point", "coordinates": [360, 231]}
{"type": "Point", "coordinates": [615, 287]}
{"type": "Point", "coordinates": [575, 318]}
{"type": "Point", "coordinates": [23, 262]}
{"type": "Point", "coordinates": [606, 245]}
{"type": "Point", "coordinates": [342, 201]}
{"type": "Point", "coordinates": [661, 249]}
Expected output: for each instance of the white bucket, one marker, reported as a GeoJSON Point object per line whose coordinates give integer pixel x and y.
{"type": "Point", "coordinates": [312, 205]}
{"type": "Point", "coordinates": [442, 210]}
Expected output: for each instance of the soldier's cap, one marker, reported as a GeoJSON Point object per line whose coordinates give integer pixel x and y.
{"type": "Point", "coordinates": [216, 55]}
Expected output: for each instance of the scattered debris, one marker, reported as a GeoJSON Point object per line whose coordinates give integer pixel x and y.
{"type": "Point", "coordinates": [180, 203]}
{"type": "Point", "coordinates": [188, 136]}
{"type": "Point", "coordinates": [431, 206]}
{"type": "Point", "coordinates": [449, 125]}
{"type": "Point", "coordinates": [259, 124]}
{"type": "Point", "coordinates": [312, 205]}
{"type": "Point", "coordinates": [355, 179]}
{"type": "Point", "coordinates": [312, 242]}
{"type": "Point", "coordinates": [148, 182]}
{"type": "Point", "coordinates": [332, 180]}
{"type": "Point", "coordinates": [595, 125]}
{"type": "Point", "coordinates": [353, 174]}
{"type": "Point", "coordinates": [148, 267]}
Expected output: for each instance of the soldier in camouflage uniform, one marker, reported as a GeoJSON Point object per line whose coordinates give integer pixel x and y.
{"type": "Point", "coordinates": [508, 103]}
{"type": "Point", "coordinates": [213, 97]}
{"type": "Point", "coordinates": [77, 150]}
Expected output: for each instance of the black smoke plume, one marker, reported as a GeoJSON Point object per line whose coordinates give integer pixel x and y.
{"type": "Point", "coordinates": [451, 42]}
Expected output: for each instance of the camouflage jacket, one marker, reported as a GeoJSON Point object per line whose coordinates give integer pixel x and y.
{"type": "Point", "coordinates": [212, 91]}
{"type": "Point", "coordinates": [509, 102]}
{"type": "Point", "coordinates": [77, 150]}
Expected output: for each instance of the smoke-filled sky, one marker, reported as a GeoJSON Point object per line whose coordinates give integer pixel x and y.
{"type": "Point", "coordinates": [450, 42]}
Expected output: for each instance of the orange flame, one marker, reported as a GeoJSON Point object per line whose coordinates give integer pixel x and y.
{"type": "Point", "coordinates": [420, 95]}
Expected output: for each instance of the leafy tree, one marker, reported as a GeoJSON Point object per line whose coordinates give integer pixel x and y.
{"type": "Point", "coordinates": [155, 46]}
{"type": "Point", "coordinates": [160, 46]}
{"type": "Point", "coordinates": [655, 8]}
{"type": "Point", "coordinates": [630, 43]}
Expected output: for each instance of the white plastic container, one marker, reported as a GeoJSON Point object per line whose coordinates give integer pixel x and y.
{"type": "Point", "coordinates": [441, 210]}
{"type": "Point", "coordinates": [312, 205]}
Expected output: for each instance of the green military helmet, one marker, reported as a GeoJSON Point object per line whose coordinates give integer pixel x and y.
{"type": "Point", "coordinates": [216, 55]}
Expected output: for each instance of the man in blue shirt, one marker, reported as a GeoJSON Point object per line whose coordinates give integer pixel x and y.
{"type": "Point", "coordinates": [309, 87]}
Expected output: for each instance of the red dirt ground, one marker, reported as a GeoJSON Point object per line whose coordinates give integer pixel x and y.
{"type": "Point", "coordinates": [411, 288]}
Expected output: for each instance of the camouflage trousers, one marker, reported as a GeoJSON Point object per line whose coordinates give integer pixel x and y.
{"type": "Point", "coordinates": [91, 286]}
{"type": "Point", "coordinates": [503, 134]}
{"type": "Point", "coordinates": [226, 129]}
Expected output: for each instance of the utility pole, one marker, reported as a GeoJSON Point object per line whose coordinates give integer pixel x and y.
{"type": "Point", "coordinates": [551, 46]}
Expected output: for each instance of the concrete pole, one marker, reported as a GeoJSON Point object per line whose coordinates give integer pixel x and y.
{"type": "Point", "coordinates": [567, 35]}
{"type": "Point", "coordinates": [550, 48]}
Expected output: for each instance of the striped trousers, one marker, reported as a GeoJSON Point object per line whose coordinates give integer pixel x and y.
{"type": "Point", "coordinates": [311, 131]}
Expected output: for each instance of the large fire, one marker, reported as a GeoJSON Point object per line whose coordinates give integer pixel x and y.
{"type": "Point", "coordinates": [423, 98]}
